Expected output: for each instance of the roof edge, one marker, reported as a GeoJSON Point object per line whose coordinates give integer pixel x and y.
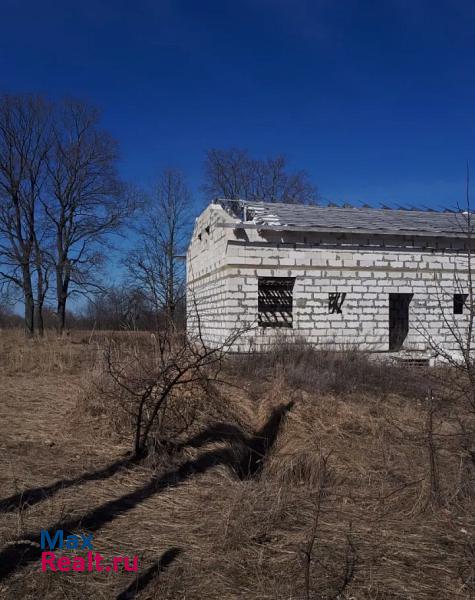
{"type": "Point", "coordinates": [387, 232]}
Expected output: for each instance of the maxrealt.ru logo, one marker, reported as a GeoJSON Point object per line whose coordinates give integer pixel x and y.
{"type": "Point", "coordinates": [93, 561]}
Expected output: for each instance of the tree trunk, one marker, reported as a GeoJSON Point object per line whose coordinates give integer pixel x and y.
{"type": "Point", "coordinates": [61, 316]}
{"type": "Point", "coordinates": [29, 303]}
{"type": "Point", "coordinates": [62, 287]}
{"type": "Point", "coordinates": [39, 319]}
{"type": "Point", "coordinates": [40, 295]}
{"type": "Point", "coordinates": [171, 285]}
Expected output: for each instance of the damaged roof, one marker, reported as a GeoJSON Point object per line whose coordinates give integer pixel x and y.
{"type": "Point", "coordinates": [278, 216]}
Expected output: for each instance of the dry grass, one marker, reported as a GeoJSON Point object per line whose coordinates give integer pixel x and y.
{"type": "Point", "coordinates": [49, 355]}
{"type": "Point", "coordinates": [244, 537]}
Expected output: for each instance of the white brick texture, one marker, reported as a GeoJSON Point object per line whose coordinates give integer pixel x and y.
{"type": "Point", "coordinates": [223, 266]}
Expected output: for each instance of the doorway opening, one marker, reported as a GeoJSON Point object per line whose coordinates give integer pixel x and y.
{"type": "Point", "coordinates": [398, 320]}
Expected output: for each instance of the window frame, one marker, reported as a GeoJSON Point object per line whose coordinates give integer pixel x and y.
{"type": "Point", "coordinates": [282, 311]}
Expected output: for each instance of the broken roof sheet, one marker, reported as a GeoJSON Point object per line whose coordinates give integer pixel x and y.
{"type": "Point", "coordinates": [267, 215]}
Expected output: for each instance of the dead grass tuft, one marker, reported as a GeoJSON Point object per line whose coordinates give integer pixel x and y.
{"type": "Point", "coordinates": [307, 367]}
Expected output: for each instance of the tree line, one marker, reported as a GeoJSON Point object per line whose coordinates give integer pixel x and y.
{"type": "Point", "coordinates": [64, 209]}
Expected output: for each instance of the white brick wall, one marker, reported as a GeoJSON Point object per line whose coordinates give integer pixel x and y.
{"type": "Point", "coordinates": [223, 266]}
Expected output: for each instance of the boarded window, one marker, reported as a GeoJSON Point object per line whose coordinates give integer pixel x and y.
{"type": "Point", "coordinates": [335, 302]}
{"type": "Point", "coordinates": [275, 301]}
{"type": "Point", "coordinates": [459, 303]}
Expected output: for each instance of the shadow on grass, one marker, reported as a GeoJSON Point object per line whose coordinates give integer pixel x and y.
{"type": "Point", "coordinates": [32, 496]}
{"type": "Point", "coordinates": [245, 457]}
{"type": "Point", "coordinates": [250, 450]}
{"type": "Point", "coordinates": [151, 573]}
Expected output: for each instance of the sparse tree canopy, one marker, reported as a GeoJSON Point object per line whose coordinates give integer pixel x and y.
{"type": "Point", "coordinates": [235, 175]}
{"type": "Point", "coordinates": [25, 139]}
{"type": "Point", "coordinates": [86, 200]}
{"type": "Point", "coordinates": [156, 264]}
{"type": "Point", "coordinates": [60, 198]}
{"type": "Point", "coordinates": [117, 308]}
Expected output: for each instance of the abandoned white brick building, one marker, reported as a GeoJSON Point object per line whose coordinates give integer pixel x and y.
{"type": "Point", "coordinates": [379, 279]}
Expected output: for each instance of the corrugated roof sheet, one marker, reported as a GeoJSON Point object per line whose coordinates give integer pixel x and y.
{"type": "Point", "coordinates": [277, 215]}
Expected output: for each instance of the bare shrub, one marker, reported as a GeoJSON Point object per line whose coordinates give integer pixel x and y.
{"type": "Point", "coordinates": [150, 381]}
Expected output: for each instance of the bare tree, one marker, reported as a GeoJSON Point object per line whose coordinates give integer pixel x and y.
{"type": "Point", "coordinates": [86, 202]}
{"type": "Point", "coordinates": [8, 317]}
{"type": "Point", "coordinates": [233, 174]}
{"type": "Point", "coordinates": [156, 264]}
{"type": "Point", "coordinates": [24, 146]}
{"type": "Point", "coordinates": [118, 307]}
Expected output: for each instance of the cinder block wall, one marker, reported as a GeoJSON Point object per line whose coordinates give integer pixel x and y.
{"type": "Point", "coordinates": [207, 294]}
{"type": "Point", "coordinates": [224, 265]}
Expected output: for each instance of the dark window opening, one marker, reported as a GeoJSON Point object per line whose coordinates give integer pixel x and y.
{"type": "Point", "coordinates": [398, 319]}
{"type": "Point", "coordinates": [459, 303]}
{"type": "Point", "coordinates": [275, 300]}
{"type": "Point", "coordinates": [335, 302]}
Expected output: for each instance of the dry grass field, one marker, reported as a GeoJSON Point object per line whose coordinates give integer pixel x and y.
{"type": "Point", "coordinates": [300, 474]}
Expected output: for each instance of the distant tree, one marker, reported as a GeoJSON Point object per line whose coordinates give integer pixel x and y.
{"type": "Point", "coordinates": [156, 264]}
{"type": "Point", "coordinates": [8, 318]}
{"type": "Point", "coordinates": [233, 174]}
{"type": "Point", "coordinates": [24, 146]}
{"type": "Point", "coordinates": [118, 307]}
{"type": "Point", "coordinates": [86, 202]}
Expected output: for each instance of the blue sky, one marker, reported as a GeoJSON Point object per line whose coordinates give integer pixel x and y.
{"type": "Point", "coordinates": [374, 99]}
